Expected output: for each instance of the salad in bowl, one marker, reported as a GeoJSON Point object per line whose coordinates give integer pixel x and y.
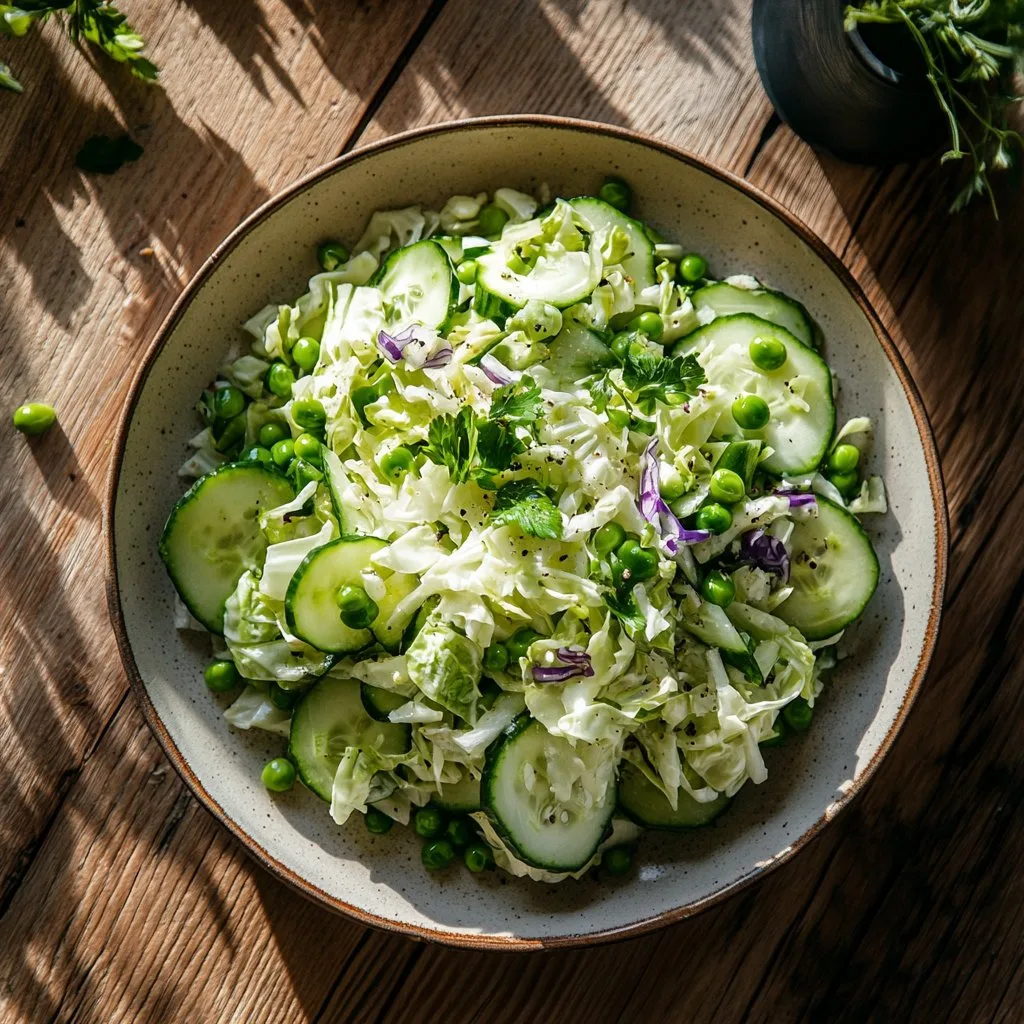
{"type": "Point", "coordinates": [523, 529]}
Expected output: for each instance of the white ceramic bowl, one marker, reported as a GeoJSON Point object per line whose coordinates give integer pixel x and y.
{"type": "Point", "coordinates": [379, 879]}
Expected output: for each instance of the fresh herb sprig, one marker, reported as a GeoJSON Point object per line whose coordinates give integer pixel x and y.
{"type": "Point", "coordinates": [971, 49]}
{"type": "Point", "coordinates": [478, 448]}
{"type": "Point", "coordinates": [97, 21]}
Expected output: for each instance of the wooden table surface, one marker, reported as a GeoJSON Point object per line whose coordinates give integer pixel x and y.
{"type": "Point", "coordinates": [120, 898]}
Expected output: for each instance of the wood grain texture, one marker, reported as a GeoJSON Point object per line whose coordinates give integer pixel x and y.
{"type": "Point", "coordinates": [121, 899]}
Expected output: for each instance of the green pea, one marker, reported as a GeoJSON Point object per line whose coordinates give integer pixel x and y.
{"type": "Point", "coordinates": [228, 403]}
{"type": "Point", "coordinates": [768, 353]}
{"type": "Point", "coordinates": [306, 352]}
{"type": "Point", "coordinates": [466, 271]}
{"type": "Point", "coordinates": [358, 609]}
{"type": "Point", "coordinates": [396, 463]}
{"type": "Point", "coordinates": [615, 192]}
{"type": "Point", "coordinates": [361, 398]}
{"type": "Point", "coordinates": [278, 775]}
{"type": "Point", "coordinates": [491, 221]}
{"type": "Point", "coordinates": [283, 452]}
{"type": "Point", "coordinates": [639, 563]}
{"type": "Point", "coordinates": [496, 657]}
{"type": "Point", "coordinates": [309, 414]}
{"type": "Point", "coordinates": [519, 642]}
{"type": "Point", "coordinates": [751, 412]}
{"type": "Point", "coordinates": [607, 538]}
{"type": "Point", "coordinates": [797, 714]}
{"type": "Point", "coordinates": [377, 821]}
{"type": "Point", "coordinates": [617, 860]}
{"type": "Point", "coordinates": [637, 349]}
{"type": "Point", "coordinates": [257, 453]}
{"type": "Point", "coordinates": [437, 854]}
{"type": "Point", "coordinates": [279, 380]}
{"type": "Point", "coordinates": [620, 344]}
{"type": "Point", "coordinates": [846, 483]}
{"type": "Point", "coordinates": [34, 417]}
{"type": "Point", "coordinates": [331, 255]}
{"type": "Point", "coordinates": [271, 433]}
{"type": "Point", "coordinates": [692, 268]}
{"type": "Point", "coordinates": [671, 484]}
{"type": "Point", "coordinates": [844, 459]}
{"type": "Point", "coordinates": [727, 487]}
{"type": "Point", "coordinates": [478, 857]}
{"type": "Point", "coordinates": [221, 676]}
{"type": "Point", "coordinates": [282, 698]}
{"type": "Point", "coordinates": [718, 588]}
{"type": "Point", "coordinates": [460, 833]}
{"type": "Point", "coordinates": [650, 324]}
{"type": "Point", "coordinates": [428, 822]}
{"type": "Point", "coordinates": [309, 448]}
{"type": "Point", "coordinates": [714, 518]}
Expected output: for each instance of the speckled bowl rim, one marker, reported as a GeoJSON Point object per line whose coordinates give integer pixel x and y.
{"type": "Point", "coordinates": [504, 942]}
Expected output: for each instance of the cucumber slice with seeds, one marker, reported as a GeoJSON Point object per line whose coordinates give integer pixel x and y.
{"type": "Point", "coordinates": [213, 535]}
{"type": "Point", "coordinates": [722, 299]}
{"type": "Point", "coordinates": [379, 703]}
{"type": "Point", "coordinates": [642, 801]}
{"type": "Point", "coordinates": [799, 436]}
{"type": "Point", "coordinates": [419, 285]}
{"type": "Point", "coordinates": [833, 572]}
{"type": "Point", "coordinates": [330, 718]}
{"type": "Point", "coordinates": [541, 831]}
{"type": "Point", "coordinates": [311, 604]}
{"type": "Point", "coordinates": [398, 586]}
{"type": "Point", "coordinates": [639, 262]}
{"type": "Point", "coordinates": [575, 353]}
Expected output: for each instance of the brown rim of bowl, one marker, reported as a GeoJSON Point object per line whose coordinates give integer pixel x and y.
{"type": "Point", "coordinates": [466, 939]}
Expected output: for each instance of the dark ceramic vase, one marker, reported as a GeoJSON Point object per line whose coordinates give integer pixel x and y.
{"type": "Point", "coordinates": [861, 96]}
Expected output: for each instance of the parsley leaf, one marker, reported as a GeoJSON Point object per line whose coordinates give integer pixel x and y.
{"type": "Point", "coordinates": [624, 607]}
{"type": "Point", "coordinates": [497, 445]}
{"type": "Point", "coordinates": [657, 378]}
{"type": "Point", "coordinates": [452, 442]}
{"type": "Point", "coordinates": [519, 402]}
{"type": "Point", "coordinates": [524, 503]}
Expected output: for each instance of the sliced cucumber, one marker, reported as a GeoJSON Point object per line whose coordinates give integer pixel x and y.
{"type": "Point", "coordinates": [418, 620]}
{"type": "Point", "coordinates": [711, 625]}
{"type": "Point", "coordinates": [213, 535]}
{"type": "Point", "coordinates": [418, 285]}
{"type": "Point", "coordinates": [834, 572]}
{"type": "Point", "coordinates": [799, 437]}
{"type": "Point", "coordinates": [722, 299]}
{"type": "Point", "coordinates": [389, 635]}
{"type": "Point", "coordinates": [559, 277]}
{"type": "Point", "coordinates": [311, 604]}
{"type": "Point", "coordinates": [379, 703]}
{"type": "Point", "coordinates": [644, 803]}
{"type": "Point", "coordinates": [330, 718]}
{"type": "Point", "coordinates": [538, 829]}
{"type": "Point", "coordinates": [639, 263]}
{"type": "Point", "coordinates": [460, 797]}
{"type": "Point", "coordinates": [575, 353]}
{"type": "Point", "coordinates": [491, 306]}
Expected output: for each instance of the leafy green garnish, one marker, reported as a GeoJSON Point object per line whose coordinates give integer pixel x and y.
{"type": "Point", "coordinates": [104, 155]}
{"type": "Point", "coordinates": [497, 445]}
{"type": "Point", "coordinates": [970, 49]}
{"type": "Point", "coordinates": [623, 606]}
{"type": "Point", "coordinates": [519, 402]}
{"type": "Point", "coordinates": [657, 378]}
{"type": "Point", "coordinates": [452, 441]}
{"type": "Point", "coordinates": [524, 503]}
{"type": "Point", "coordinates": [98, 21]}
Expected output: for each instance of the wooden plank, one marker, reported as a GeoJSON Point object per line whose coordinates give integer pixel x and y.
{"type": "Point", "coordinates": [265, 94]}
{"type": "Point", "coordinates": [682, 72]}
{"type": "Point", "coordinates": [890, 892]}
